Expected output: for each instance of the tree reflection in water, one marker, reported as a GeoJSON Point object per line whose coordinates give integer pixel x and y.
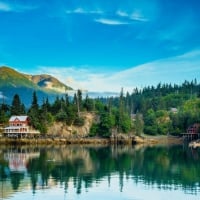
{"type": "Point", "coordinates": [166, 167]}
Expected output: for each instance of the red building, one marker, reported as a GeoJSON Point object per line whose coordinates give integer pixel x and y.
{"type": "Point", "coordinates": [19, 121]}
{"type": "Point", "coordinates": [194, 129]}
{"type": "Point", "coordinates": [19, 126]}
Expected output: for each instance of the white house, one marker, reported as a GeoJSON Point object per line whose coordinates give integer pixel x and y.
{"type": "Point", "coordinates": [19, 127]}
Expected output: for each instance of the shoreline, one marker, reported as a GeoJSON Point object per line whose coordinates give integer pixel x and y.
{"type": "Point", "coordinates": [195, 144]}
{"type": "Point", "coordinates": [121, 140]}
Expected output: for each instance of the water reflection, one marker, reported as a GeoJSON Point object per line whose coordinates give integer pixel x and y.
{"type": "Point", "coordinates": [85, 167]}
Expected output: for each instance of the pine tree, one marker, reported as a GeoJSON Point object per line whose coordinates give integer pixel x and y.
{"type": "Point", "coordinates": [139, 124]}
{"type": "Point", "coordinates": [17, 108]}
{"type": "Point", "coordinates": [121, 110]}
{"type": "Point", "coordinates": [4, 108]}
{"type": "Point", "coordinates": [88, 104]}
{"type": "Point", "coordinates": [34, 112]}
{"type": "Point", "coordinates": [35, 105]}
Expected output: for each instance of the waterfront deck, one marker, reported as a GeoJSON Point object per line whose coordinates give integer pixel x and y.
{"type": "Point", "coordinates": [20, 132]}
{"type": "Point", "coordinates": [191, 136]}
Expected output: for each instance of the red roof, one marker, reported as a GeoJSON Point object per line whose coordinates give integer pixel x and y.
{"type": "Point", "coordinates": [21, 118]}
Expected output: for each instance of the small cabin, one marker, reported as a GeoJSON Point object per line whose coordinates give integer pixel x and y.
{"type": "Point", "coordinates": [19, 127]}
{"type": "Point", "coordinates": [194, 129]}
{"type": "Point", "coordinates": [174, 110]}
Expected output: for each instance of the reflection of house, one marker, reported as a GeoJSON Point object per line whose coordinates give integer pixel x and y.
{"type": "Point", "coordinates": [193, 129]}
{"type": "Point", "coordinates": [18, 161]}
{"type": "Point", "coordinates": [19, 127]}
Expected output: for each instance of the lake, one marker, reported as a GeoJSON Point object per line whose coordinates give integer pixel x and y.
{"type": "Point", "coordinates": [99, 172]}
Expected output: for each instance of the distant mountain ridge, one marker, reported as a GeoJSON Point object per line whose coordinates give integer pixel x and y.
{"type": "Point", "coordinates": [49, 82]}
{"type": "Point", "coordinates": [12, 82]}
{"type": "Point", "coordinates": [11, 78]}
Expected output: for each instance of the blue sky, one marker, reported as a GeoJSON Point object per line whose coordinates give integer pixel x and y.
{"type": "Point", "coordinates": [103, 45]}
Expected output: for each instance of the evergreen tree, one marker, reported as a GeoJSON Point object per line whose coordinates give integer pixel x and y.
{"type": "Point", "coordinates": [34, 112]}
{"type": "Point", "coordinates": [121, 110]}
{"type": "Point", "coordinates": [88, 104]}
{"type": "Point", "coordinates": [107, 122]}
{"type": "Point", "coordinates": [35, 105]}
{"type": "Point", "coordinates": [138, 124]}
{"type": "Point", "coordinates": [56, 107]}
{"type": "Point", "coordinates": [45, 117]}
{"type": "Point", "coordinates": [78, 101]}
{"type": "Point", "coordinates": [4, 108]}
{"type": "Point", "coordinates": [17, 108]}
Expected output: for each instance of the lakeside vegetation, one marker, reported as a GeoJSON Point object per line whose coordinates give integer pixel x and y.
{"type": "Point", "coordinates": [161, 110]}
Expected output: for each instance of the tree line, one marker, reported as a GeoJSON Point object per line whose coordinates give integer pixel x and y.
{"type": "Point", "coordinates": [69, 111]}
{"type": "Point", "coordinates": [160, 109]}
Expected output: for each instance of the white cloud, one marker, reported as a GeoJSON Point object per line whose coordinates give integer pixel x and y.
{"type": "Point", "coordinates": [71, 76]}
{"type": "Point", "coordinates": [170, 70]}
{"type": "Point", "coordinates": [15, 7]}
{"type": "Point", "coordinates": [77, 11]}
{"type": "Point", "coordinates": [122, 13]}
{"type": "Point", "coordinates": [137, 16]}
{"type": "Point", "coordinates": [134, 16]}
{"type": "Point", "coordinates": [174, 70]}
{"type": "Point", "coordinates": [110, 21]}
{"type": "Point", "coordinates": [83, 11]}
{"type": "Point", "coordinates": [110, 17]}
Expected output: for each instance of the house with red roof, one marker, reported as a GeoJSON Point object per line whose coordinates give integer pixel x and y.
{"type": "Point", "coordinates": [19, 127]}
{"type": "Point", "coordinates": [194, 128]}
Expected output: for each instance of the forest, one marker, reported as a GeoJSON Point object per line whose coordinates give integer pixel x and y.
{"type": "Point", "coordinates": [154, 110]}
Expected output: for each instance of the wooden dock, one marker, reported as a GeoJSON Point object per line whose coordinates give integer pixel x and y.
{"type": "Point", "coordinates": [191, 136]}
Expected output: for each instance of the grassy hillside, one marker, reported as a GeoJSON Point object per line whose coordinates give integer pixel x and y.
{"type": "Point", "coordinates": [49, 82]}
{"type": "Point", "coordinates": [12, 78]}
{"type": "Point", "coordinates": [13, 82]}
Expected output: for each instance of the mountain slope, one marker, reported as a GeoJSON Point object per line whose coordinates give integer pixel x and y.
{"type": "Point", "coordinates": [48, 82]}
{"type": "Point", "coordinates": [11, 78]}
{"type": "Point", "coordinates": [13, 82]}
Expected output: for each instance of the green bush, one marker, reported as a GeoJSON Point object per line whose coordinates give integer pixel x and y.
{"type": "Point", "coordinates": [94, 130]}
{"type": "Point", "coordinates": [79, 121]}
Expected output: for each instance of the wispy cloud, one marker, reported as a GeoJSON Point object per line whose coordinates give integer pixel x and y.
{"type": "Point", "coordinates": [134, 16]}
{"type": "Point", "coordinates": [111, 21]}
{"type": "Point", "coordinates": [72, 76]}
{"type": "Point", "coordinates": [171, 70]}
{"type": "Point", "coordinates": [83, 11]}
{"type": "Point", "coordinates": [174, 70]}
{"type": "Point", "coordinates": [12, 6]}
{"type": "Point", "coordinates": [76, 11]}
{"type": "Point", "coordinates": [110, 17]}
{"type": "Point", "coordinates": [137, 16]}
{"type": "Point", "coordinates": [5, 7]}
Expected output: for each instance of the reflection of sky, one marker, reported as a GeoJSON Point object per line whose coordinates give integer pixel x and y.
{"type": "Point", "coordinates": [105, 190]}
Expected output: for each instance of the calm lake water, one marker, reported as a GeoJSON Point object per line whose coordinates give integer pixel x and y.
{"type": "Point", "coordinates": [86, 172]}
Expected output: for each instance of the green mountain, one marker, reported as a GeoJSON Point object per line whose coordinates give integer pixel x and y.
{"type": "Point", "coordinates": [48, 82]}
{"type": "Point", "coordinates": [11, 78]}
{"type": "Point", "coordinates": [13, 82]}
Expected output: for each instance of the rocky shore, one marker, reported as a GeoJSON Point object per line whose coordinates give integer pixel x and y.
{"type": "Point", "coordinates": [120, 139]}
{"type": "Point", "coordinates": [195, 144]}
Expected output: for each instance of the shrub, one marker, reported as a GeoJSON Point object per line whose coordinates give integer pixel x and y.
{"type": "Point", "coordinates": [79, 121]}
